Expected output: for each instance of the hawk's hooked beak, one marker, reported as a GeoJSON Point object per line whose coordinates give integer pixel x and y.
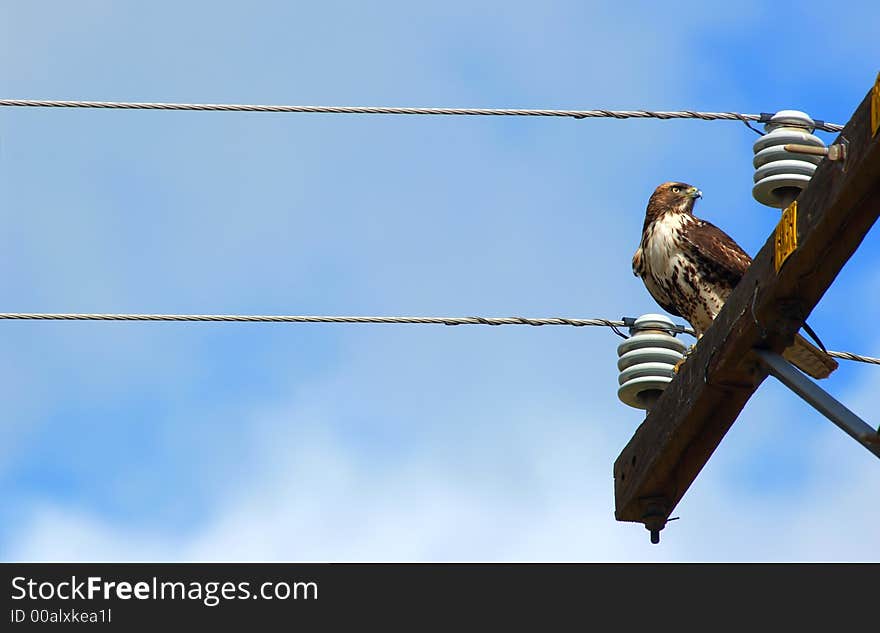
{"type": "Point", "coordinates": [693, 192]}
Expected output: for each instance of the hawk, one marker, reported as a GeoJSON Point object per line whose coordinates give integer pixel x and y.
{"type": "Point", "coordinates": [690, 267]}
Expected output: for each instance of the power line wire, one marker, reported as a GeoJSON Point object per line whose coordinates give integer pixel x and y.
{"type": "Point", "coordinates": [855, 357]}
{"type": "Point", "coordinates": [576, 114]}
{"type": "Point", "coordinates": [239, 318]}
{"type": "Point", "coordinates": [250, 318]}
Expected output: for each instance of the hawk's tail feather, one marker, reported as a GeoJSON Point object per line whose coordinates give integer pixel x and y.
{"type": "Point", "coordinates": [809, 359]}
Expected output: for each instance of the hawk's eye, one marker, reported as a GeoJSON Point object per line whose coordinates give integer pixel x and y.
{"type": "Point", "coordinates": [676, 189]}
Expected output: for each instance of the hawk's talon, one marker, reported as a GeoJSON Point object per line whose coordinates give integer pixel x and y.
{"type": "Point", "coordinates": [687, 352]}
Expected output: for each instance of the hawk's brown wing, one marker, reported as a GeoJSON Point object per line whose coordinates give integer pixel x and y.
{"type": "Point", "coordinates": [721, 259]}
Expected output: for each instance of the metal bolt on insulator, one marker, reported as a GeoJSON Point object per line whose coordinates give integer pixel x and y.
{"type": "Point", "coordinates": [646, 360]}
{"type": "Point", "coordinates": [780, 173]}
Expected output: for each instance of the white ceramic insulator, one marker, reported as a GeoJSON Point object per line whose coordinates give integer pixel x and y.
{"type": "Point", "coordinates": [646, 360]}
{"type": "Point", "coordinates": [777, 169]}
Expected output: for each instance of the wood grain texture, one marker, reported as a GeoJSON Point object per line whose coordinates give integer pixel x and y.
{"type": "Point", "coordinates": [766, 310]}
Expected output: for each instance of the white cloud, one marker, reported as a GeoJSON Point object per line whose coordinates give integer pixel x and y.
{"type": "Point", "coordinates": [536, 487]}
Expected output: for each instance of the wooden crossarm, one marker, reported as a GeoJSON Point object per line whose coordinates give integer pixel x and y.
{"type": "Point", "coordinates": [835, 212]}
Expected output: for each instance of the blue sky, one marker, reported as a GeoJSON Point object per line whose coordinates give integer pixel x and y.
{"type": "Point", "coordinates": [151, 441]}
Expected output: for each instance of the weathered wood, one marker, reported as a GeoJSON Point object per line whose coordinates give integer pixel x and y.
{"type": "Point", "coordinates": [690, 419]}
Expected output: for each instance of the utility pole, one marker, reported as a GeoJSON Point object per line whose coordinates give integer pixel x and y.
{"type": "Point", "coordinates": [759, 320]}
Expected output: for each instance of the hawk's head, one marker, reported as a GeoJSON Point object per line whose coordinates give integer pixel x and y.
{"type": "Point", "coordinates": [673, 197]}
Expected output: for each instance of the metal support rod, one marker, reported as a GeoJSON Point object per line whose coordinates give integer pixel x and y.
{"type": "Point", "coordinates": [832, 152]}
{"type": "Point", "coordinates": [820, 400]}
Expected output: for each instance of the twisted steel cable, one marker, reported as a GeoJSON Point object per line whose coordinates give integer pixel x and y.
{"type": "Point", "coordinates": [256, 318]}
{"type": "Point", "coordinates": [576, 114]}
{"type": "Point", "coordinates": [855, 357]}
{"type": "Point", "coordinates": [239, 318]}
